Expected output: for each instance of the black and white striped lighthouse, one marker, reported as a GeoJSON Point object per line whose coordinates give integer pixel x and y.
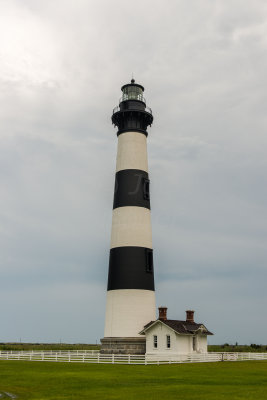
{"type": "Point", "coordinates": [130, 292]}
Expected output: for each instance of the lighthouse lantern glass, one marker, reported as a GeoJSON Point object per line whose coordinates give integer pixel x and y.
{"type": "Point", "coordinates": [132, 92]}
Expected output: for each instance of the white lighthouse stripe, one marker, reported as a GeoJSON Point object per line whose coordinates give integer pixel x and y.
{"type": "Point", "coordinates": [132, 151]}
{"type": "Point", "coordinates": [131, 226]}
{"type": "Point", "coordinates": [128, 310]}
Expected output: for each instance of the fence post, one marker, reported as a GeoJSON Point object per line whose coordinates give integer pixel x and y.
{"type": "Point", "coordinates": [129, 358]}
{"type": "Point", "coordinates": [112, 358]}
{"type": "Point", "coordinates": [83, 357]}
{"type": "Point", "coordinates": [98, 358]}
{"type": "Point", "coordinates": [69, 357]}
{"type": "Point", "coordinates": [222, 358]}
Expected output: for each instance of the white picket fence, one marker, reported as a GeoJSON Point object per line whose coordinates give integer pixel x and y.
{"type": "Point", "coordinates": [93, 356]}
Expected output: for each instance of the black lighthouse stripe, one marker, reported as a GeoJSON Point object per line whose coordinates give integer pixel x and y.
{"type": "Point", "coordinates": [131, 189]}
{"type": "Point", "coordinates": [131, 268]}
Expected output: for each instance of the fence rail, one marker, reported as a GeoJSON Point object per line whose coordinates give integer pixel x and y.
{"type": "Point", "coordinates": [93, 356]}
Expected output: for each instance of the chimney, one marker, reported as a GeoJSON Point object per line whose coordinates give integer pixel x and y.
{"type": "Point", "coordinates": [163, 313]}
{"type": "Point", "coordinates": [190, 316]}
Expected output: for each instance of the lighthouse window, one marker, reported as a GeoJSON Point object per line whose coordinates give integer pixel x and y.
{"type": "Point", "coordinates": [146, 189]}
{"type": "Point", "coordinates": [155, 341]}
{"type": "Point", "coordinates": [149, 260]}
{"type": "Point", "coordinates": [168, 340]}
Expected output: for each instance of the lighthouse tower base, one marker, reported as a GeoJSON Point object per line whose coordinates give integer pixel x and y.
{"type": "Point", "coordinates": [123, 345]}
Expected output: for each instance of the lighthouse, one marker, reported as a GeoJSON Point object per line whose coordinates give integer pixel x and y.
{"type": "Point", "coordinates": [130, 300]}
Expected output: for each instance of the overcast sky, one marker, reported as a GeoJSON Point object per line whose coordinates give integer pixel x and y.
{"type": "Point", "coordinates": [203, 64]}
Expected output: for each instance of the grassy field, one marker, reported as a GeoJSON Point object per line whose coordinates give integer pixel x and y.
{"type": "Point", "coordinates": [47, 346]}
{"type": "Point", "coordinates": [253, 348]}
{"type": "Point", "coordinates": [80, 346]}
{"type": "Point", "coordinates": [207, 381]}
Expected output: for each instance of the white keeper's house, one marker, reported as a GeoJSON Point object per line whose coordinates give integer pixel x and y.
{"type": "Point", "coordinates": [167, 336]}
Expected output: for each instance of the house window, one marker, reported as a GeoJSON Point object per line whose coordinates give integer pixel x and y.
{"type": "Point", "coordinates": [155, 341]}
{"type": "Point", "coordinates": [168, 340]}
{"type": "Point", "coordinates": [194, 343]}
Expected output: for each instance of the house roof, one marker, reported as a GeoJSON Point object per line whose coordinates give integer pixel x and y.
{"type": "Point", "coordinates": [181, 327]}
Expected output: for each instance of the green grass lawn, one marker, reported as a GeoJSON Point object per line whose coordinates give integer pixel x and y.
{"type": "Point", "coordinates": [45, 380]}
